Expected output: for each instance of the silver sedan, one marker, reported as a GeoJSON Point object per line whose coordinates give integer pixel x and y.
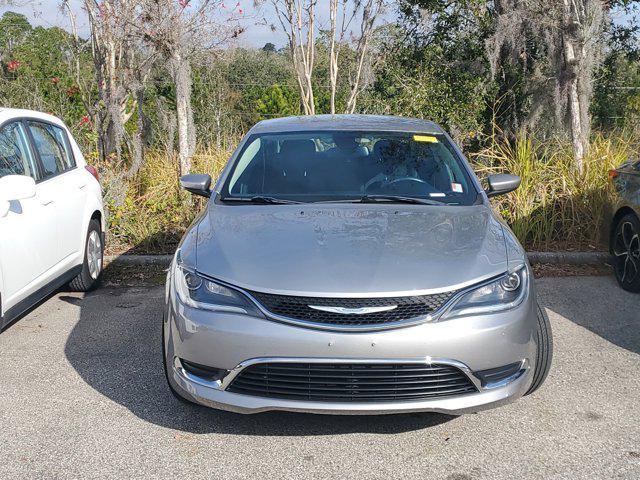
{"type": "Point", "coordinates": [351, 265]}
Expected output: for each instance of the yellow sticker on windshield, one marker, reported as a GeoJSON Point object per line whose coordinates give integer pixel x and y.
{"type": "Point", "coordinates": [425, 138]}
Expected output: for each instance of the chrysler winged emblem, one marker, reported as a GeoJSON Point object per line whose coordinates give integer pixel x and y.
{"type": "Point", "coordinates": [353, 311]}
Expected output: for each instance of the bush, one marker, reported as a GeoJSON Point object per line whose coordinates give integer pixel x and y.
{"type": "Point", "coordinates": [148, 212]}
{"type": "Point", "coordinates": [554, 208]}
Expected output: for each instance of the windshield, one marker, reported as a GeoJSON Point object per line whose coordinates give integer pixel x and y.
{"type": "Point", "coordinates": [346, 166]}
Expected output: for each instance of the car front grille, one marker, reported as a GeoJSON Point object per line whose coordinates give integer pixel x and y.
{"type": "Point", "coordinates": [299, 308]}
{"type": "Point", "coordinates": [351, 382]}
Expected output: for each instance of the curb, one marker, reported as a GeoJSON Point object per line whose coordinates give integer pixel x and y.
{"type": "Point", "coordinates": [569, 258]}
{"type": "Point", "coordinates": [124, 259]}
{"type": "Point", "coordinates": [557, 258]}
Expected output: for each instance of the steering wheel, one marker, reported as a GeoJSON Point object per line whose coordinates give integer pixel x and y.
{"type": "Point", "coordinates": [415, 185]}
{"type": "Point", "coordinates": [406, 179]}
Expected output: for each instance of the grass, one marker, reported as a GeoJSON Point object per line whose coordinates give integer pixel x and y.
{"type": "Point", "coordinates": [554, 209]}
{"type": "Point", "coordinates": [148, 212]}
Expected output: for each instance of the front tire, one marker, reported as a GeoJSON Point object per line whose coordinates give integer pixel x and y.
{"type": "Point", "coordinates": [93, 260]}
{"type": "Point", "coordinates": [626, 252]}
{"type": "Point", "coordinates": [544, 354]}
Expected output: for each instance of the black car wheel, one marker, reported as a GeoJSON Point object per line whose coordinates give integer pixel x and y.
{"type": "Point", "coordinates": [544, 354]}
{"type": "Point", "coordinates": [626, 252]}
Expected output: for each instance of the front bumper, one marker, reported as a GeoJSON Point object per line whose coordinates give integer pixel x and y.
{"type": "Point", "coordinates": [232, 342]}
{"type": "Point", "coordinates": [212, 394]}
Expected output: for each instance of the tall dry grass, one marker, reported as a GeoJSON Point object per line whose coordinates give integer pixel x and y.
{"type": "Point", "coordinates": [148, 212]}
{"type": "Point", "coordinates": [554, 208]}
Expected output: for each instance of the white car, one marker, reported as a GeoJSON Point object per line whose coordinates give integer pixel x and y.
{"type": "Point", "coordinates": [52, 219]}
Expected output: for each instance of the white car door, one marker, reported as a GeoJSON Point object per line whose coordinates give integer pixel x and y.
{"type": "Point", "coordinates": [63, 186]}
{"type": "Point", "coordinates": [28, 248]}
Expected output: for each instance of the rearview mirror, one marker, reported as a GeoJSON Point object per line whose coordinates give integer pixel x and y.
{"type": "Point", "coordinates": [197, 183]}
{"type": "Point", "coordinates": [501, 183]}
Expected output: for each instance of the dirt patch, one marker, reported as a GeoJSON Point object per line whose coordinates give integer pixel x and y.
{"type": "Point", "coordinates": [561, 270]}
{"type": "Point", "coordinates": [123, 275]}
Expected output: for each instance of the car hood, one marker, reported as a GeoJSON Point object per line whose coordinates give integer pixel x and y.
{"type": "Point", "coordinates": [349, 249]}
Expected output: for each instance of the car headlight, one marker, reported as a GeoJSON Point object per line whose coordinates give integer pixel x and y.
{"type": "Point", "coordinates": [503, 293]}
{"type": "Point", "coordinates": [197, 291]}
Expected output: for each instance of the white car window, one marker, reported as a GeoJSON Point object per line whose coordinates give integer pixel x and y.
{"type": "Point", "coordinates": [15, 156]}
{"type": "Point", "coordinates": [53, 148]}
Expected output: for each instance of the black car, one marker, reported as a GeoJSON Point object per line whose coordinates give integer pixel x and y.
{"type": "Point", "coordinates": [625, 228]}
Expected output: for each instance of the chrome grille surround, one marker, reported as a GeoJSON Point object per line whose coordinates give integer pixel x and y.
{"type": "Point", "coordinates": [349, 381]}
{"type": "Point", "coordinates": [352, 313]}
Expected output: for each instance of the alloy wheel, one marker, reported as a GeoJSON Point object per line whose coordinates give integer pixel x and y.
{"type": "Point", "coordinates": [627, 252]}
{"type": "Point", "coordinates": [94, 254]}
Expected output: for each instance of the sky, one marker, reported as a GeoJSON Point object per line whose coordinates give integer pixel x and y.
{"type": "Point", "coordinates": [47, 13]}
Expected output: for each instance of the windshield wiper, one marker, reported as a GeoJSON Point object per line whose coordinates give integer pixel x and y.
{"type": "Point", "coordinates": [399, 199]}
{"type": "Point", "coordinates": [259, 199]}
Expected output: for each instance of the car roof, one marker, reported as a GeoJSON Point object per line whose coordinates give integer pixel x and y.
{"type": "Point", "coordinates": [346, 122]}
{"type": "Point", "coordinates": [9, 113]}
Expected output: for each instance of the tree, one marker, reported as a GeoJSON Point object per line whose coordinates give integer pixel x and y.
{"type": "Point", "coordinates": [175, 31]}
{"type": "Point", "coordinates": [39, 71]}
{"type": "Point", "coordinates": [274, 103]}
{"type": "Point", "coordinates": [298, 21]}
{"type": "Point", "coordinates": [562, 41]}
{"type": "Point", "coordinates": [14, 29]}
{"type": "Point", "coordinates": [269, 47]}
{"type": "Point", "coordinates": [121, 66]}
{"type": "Point", "coordinates": [432, 65]}
{"type": "Point", "coordinates": [371, 9]}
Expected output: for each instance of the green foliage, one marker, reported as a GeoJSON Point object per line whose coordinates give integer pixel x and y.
{"type": "Point", "coordinates": [616, 101]}
{"type": "Point", "coordinates": [253, 74]}
{"type": "Point", "coordinates": [452, 98]}
{"type": "Point", "coordinates": [438, 73]}
{"type": "Point", "coordinates": [14, 28]}
{"type": "Point", "coordinates": [436, 70]}
{"type": "Point", "coordinates": [554, 208]}
{"type": "Point", "coordinates": [39, 73]}
{"type": "Point", "coordinates": [274, 103]}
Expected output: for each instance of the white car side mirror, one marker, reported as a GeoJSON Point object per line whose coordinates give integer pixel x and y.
{"type": "Point", "coordinates": [15, 187]}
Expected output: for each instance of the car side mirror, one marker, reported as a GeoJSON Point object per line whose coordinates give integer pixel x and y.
{"type": "Point", "coordinates": [501, 183]}
{"type": "Point", "coordinates": [17, 187]}
{"type": "Point", "coordinates": [197, 183]}
{"type": "Point", "coordinates": [14, 188]}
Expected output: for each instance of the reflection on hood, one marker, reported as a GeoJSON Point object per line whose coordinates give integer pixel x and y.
{"type": "Point", "coordinates": [349, 249]}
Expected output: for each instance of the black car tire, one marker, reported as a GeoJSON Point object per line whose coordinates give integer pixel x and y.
{"type": "Point", "coordinates": [544, 354]}
{"type": "Point", "coordinates": [85, 281]}
{"type": "Point", "coordinates": [625, 246]}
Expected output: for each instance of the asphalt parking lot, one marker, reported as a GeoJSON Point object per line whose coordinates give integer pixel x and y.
{"type": "Point", "coordinates": [82, 394]}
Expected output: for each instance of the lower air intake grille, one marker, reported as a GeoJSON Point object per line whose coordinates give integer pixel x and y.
{"type": "Point", "coordinates": [351, 382]}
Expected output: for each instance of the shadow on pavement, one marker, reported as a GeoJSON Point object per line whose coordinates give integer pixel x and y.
{"type": "Point", "coordinates": [116, 348]}
{"type": "Point", "coordinates": [597, 304]}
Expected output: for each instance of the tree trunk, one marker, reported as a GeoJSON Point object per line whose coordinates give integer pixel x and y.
{"type": "Point", "coordinates": [577, 133]}
{"type": "Point", "coordinates": [333, 54]}
{"type": "Point", "coordinates": [181, 71]}
{"type": "Point", "coordinates": [575, 110]}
